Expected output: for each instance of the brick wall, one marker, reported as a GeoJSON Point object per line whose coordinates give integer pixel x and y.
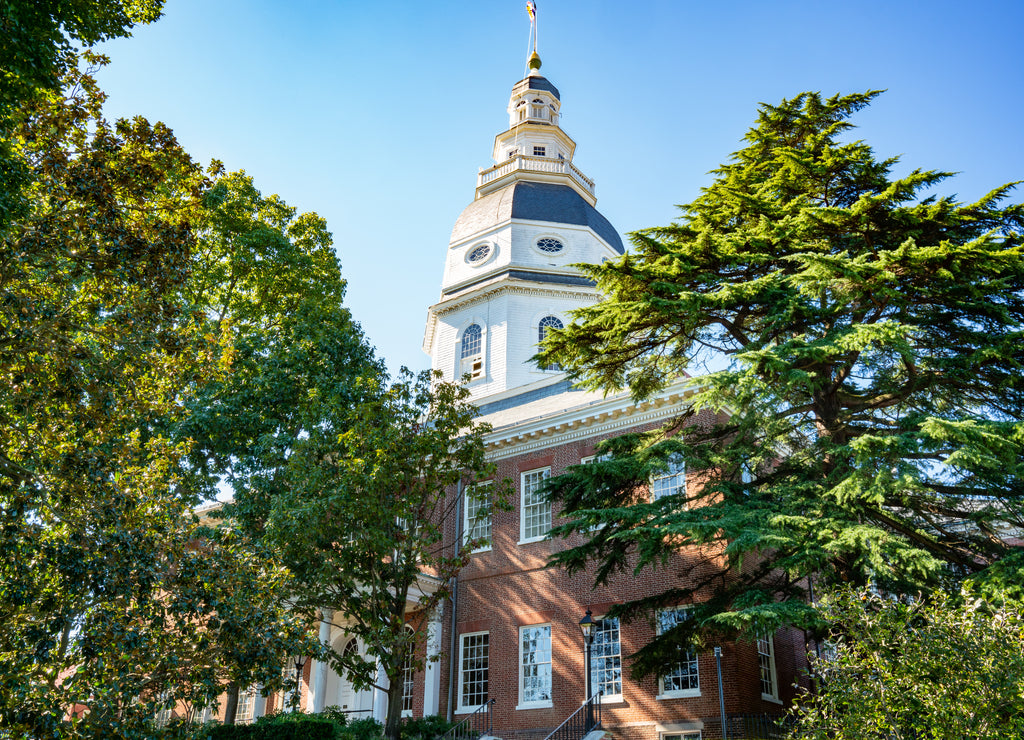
{"type": "Point", "coordinates": [509, 586]}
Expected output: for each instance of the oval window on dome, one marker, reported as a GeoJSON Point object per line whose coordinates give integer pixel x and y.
{"type": "Point", "coordinates": [478, 254]}
{"type": "Point", "coordinates": [550, 245]}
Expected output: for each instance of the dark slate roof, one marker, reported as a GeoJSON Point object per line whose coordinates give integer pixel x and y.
{"type": "Point", "coordinates": [535, 82]}
{"type": "Point", "coordinates": [563, 386]}
{"type": "Point", "coordinates": [534, 201]}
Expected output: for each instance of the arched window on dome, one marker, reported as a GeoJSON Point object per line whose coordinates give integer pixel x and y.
{"type": "Point", "coordinates": [521, 110]}
{"type": "Point", "coordinates": [472, 357]}
{"type": "Point", "coordinates": [538, 110]}
{"type": "Point", "coordinates": [543, 327]}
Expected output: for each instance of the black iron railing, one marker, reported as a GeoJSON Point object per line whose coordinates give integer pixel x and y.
{"type": "Point", "coordinates": [584, 720]}
{"type": "Point", "coordinates": [477, 724]}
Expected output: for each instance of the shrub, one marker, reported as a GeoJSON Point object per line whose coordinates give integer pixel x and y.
{"type": "Point", "coordinates": [425, 728]}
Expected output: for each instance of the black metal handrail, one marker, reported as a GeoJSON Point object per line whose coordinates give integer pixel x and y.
{"type": "Point", "coordinates": [474, 726]}
{"type": "Point", "coordinates": [584, 720]}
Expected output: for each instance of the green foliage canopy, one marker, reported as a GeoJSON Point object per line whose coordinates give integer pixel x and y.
{"type": "Point", "coordinates": [868, 420]}
{"type": "Point", "coordinates": [359, 514]}
{"type": "Point", "coordinates": [37, 49]}
{"type": "Point", "coordinates": [945, 668]}
{"type": "Point", "coordinates": [114, 599]}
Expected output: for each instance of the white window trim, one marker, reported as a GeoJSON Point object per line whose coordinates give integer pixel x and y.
{"type": "Point", "coordinates": [682, 487]}
{"type": "Point", "coordinates": [566, 249]}
{"type": "Point", "coordinates": [459, 360]}
{"type": "Point", "coordinates": [460, 708]}
{"type": "Point", "coordinates": [408, 712]}
{"type": "Point", "coordinates": [770, 640]}
{"type": "Point", "coordinates": [677, 693]}
{"type": "Point", "coordinates": [682, 734]}
{"type": "Point", "coordinates": [519, 668]}
{"type": "Point", "coordinates": [610, 698]}
{"type": "Point", "coordinates": [465, 517]}
{"type": "Point", "coordinates": [522, 506]}
{"type": "Point", "coordinates": [536, 333]}
{"type": "Point", "coordinates": [490, 255]}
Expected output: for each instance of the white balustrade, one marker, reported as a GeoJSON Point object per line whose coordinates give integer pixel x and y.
{"type": "Point", "coordinates": [523, 163]}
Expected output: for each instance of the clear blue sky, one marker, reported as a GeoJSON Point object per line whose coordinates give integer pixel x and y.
{"type": "Point", "coordinates": [378, 114]}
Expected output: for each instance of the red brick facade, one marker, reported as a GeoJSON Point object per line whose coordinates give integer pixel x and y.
{"type": "Point", "coordinates": [510, 586]}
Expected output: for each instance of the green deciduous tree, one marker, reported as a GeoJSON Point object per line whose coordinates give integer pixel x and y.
{"type": "Point", "coordinates": [344, 477]}
{"type": "Point", "coordinates": [36, 50]}
{"type": "Point", "coordinates": [871, 402]}
{"type": "Point", "coordinates": [944, 668]}
{"type": "Point", "coordinates": [113, 598]}
{"type": "Point", "coordinates": [359, 511]}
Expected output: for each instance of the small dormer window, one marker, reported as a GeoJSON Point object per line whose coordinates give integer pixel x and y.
{"type": "Point", "coordinates": [539, 151]}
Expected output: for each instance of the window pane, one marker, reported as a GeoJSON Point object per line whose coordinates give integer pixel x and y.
{"type": "Point", "coordinates": [478, 515]}
{"type": "Point", "coordinates": [536, 509]}
{"type": "Point", "coordinates": [606, 658]}
{"type": "Point", "coordinates": [474, 670]}
{"type": "Point", "coordinates": [683, 675]}
{"type": "Point", "coordinates": [671, 482]}
{"type": "Point", "coordinates": [766, 665]}
{"type": "Point", "coordinates": [408, 682]}
{"type": "Point", "coordinates": [535, 663]}
{"type": "Point", "coordinates": [471, 341]}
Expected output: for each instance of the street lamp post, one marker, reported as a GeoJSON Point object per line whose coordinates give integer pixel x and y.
{"type": "Point", "coordinates": [587, 628]}
{"type": "Point", "coordinates": [299, 661]}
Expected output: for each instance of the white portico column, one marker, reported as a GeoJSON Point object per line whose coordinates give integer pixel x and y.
{"type": "Point", "coordinates": [432, 679]}
{"type": "Point", "coordinates": [380, 695]}
{"type": "Point", "coordinates": [319, 672]}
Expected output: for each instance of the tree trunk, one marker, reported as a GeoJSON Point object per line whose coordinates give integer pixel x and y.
{"type": "Point", "coordinates": [393, 726]}
{"type": "Point", "coordinates": [231, 707]}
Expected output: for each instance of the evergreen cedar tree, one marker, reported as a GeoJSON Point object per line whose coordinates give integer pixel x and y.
{"type": "Point", "coordinates": [872, 396]}
{"type": "Point", "coordinates": [113, 599]}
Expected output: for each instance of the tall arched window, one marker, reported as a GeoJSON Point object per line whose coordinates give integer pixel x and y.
{"type": "Point", "coordinates": [547, 324]}
{"type": "Point", "coordinates": [472, 358]}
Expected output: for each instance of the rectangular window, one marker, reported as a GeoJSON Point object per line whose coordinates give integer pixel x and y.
{"type": "Point", "coordinates": [473, 670]}
{"type": "Point", "coordinates": [682, 679]}
{"type": "Point", "coordinates": [682, 736]}
{"type": "Point", "coordinates": [246, 709]}
{"type": "Point", "coordinates": [671, 482]}
{"type": "Point", "coordinates": [766, 664]}
{"type": "Point", "coordinates": [606, 660]}
{"type": "Point", "coordinates": [538, 151]}
{"type": "Point", "coordinates": [536, 509]}
{"type": "Point", "coordinates": [408, 683]}
{"type": "Point", "coordinates": [165, 712]}
{"type": "Point", "coordinates": [512, 153]}
{"type": "Point", "coordinates": [478, 516]}
{"type": "Point", "coordinates": [535, 666]}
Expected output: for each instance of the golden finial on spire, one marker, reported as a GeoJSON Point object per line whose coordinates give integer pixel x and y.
{"type": "Point", "coordinates": [534, 61]}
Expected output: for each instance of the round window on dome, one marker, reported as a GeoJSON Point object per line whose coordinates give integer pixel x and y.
{"type": "Point", "coordinates": [550, 245]}
{"type": "Point", "coordinates": [478, 254]}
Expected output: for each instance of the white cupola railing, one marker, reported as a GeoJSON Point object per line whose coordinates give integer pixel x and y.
{"type": "Point", "coordinates": [524, 163]}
